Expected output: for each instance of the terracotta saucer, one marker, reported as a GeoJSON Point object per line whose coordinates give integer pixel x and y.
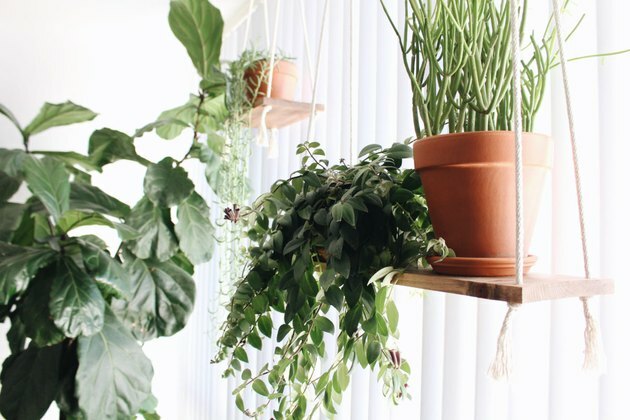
{"type": "Point", "coordinates": [479, 267]}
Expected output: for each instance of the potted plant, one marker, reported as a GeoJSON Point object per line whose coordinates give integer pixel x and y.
{"type": "Point", "coordinates": [79, 309]}
{"type": "Point", "coordinates": [457, 57]}
{"type": "Point", "coordinates": [325, 243]}
{"type": "Point", "coordinates": [253, 68]}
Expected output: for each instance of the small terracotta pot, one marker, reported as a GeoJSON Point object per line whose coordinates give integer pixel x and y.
{"type": "Point", "coordinates": [283, 84]}
{"type": "Point", "coordinates": [468, 180]}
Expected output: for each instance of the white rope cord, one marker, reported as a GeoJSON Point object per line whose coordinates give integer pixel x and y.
{"type": "Point", "coordinates": [592, 351]}
{"type": "Point", "coordinates": [266, 13]}
{"type": "Point", "coordinates": [351, 104]}
{"type": "Point", "coordinates": [501, 367]}
{"type": "Point", "coordinates": [248, 23]}
{"type": "Point", "coordinates": [317, 66]}
{"type": "Point", "coordinates": [307, 43]}
{"type": "Point", "coordinates": [263, 136]}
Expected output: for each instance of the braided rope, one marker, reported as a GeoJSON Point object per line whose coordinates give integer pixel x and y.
{"type": "Point", "coordinates": [317, 66]}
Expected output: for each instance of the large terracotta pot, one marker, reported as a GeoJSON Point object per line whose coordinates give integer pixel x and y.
{"type": "Point", "coordinates": [283, 84]}
{"type": "Point", "coordinates": [468, 180]}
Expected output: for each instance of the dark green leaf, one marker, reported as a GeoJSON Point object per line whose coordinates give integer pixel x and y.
{"type": "Point", "coordinates": [11, 216]}
{"type": "Point", "coordinates": [18, 265]}
{"type": "Point", "coordinates": [48, 179]}
{"type": "Point", "coordinates": [8, 186]}
{"type": "Point", "coordinates": [348, 214]}
{"type": "Point", "coordinates": [34, 312]}
{"type": "Point", "coordinates": [337, 212]}
{"type": "Point", "coordinates": [373, 351]}
{"type": "Point", "coordinates": [155, 229]}
{"type": "Point", "coordinates": [161, 301]}
{"type": "Point", "coordinates": [76, 304]}
{"type": "Point", "coordinates": [194, 229]}
{"type": "Point", "coordinates": [369, 149]}
{"type": "Point", "coordinates": [282, 332]}
{"type": "Point", "coordinates": [30, 381]}
{"type": "Point", "coordinates": [199, 27]}
{"type": "Point", "coordinates": [260, 388]}
{"type": "Point", "coordinates": [12, 161]}
{"type": "Point", "coordinates": [16, 336]}
{"type": "Point", "coordinates": [114, 375]}
{"type": "Point", "coordinates": [90, 198]}
{"type": "Point", "coordinates": [254, 340]}
{"type": "Point", "coordinates": [265, 325]}
{"type": "Point", "coordinates": [325, 324]}
{"type": "Point", "coordinates": [241, 354]}
{"type": "Point", "coordinates": [399, 151]}
{"type": "Point", "coordinates": [334, 296]}
{"type": "Point", "coordinates": [55, 115]}
{"type": "Point", "coordinates": [106, 270]}
{"type": "Point", "coordinates": [336, 247]}
{"type": "Point", "coordinates": [107, 146]}
{"type": "Point", "coordinates": [167, 185]}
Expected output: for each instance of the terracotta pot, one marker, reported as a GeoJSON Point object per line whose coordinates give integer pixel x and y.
{"type": "Point", "coordinates": [468, 180]}
{"type": "Point", "coordinates": [283, 84]}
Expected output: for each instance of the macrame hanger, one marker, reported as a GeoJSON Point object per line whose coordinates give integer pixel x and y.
{"type": "Point", "coordinates": [307, 44]}
{"type": "Point", "coordinates": [593, 355]}
{"type": "Point", "coordinates": [311, 119]}
{"type": "Point", "coordinates": [264, 138]}
{"type": "Point", "coordinates": [250, 10]}
{"type": "Point", "coordinates": [501, 367]}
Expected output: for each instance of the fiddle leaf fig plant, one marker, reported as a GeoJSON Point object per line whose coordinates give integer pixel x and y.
{"type": "Point", "coordinates": [325, 244]}
{"type": "Point", "coordinates": [80, 308]}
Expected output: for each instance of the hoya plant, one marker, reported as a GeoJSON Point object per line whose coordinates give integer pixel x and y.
{"type": "Point", "coordinates": [79, 309]}
{"type": "Point", "coordinates": [325, 244]}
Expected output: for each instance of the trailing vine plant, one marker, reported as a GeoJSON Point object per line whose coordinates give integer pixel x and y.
{"type": "Point", "coordinates": [325, 244]}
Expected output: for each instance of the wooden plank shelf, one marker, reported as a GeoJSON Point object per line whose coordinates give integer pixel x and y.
{"type": "Point", "coordinates": [536, 287]}
{"type": "Point", "coordinates": [282, 114]}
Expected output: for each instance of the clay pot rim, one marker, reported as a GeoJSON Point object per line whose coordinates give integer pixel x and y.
{"type": "Point", "coordinates": [284, 67]}
{"type": "Point", "coordinates": [446, 136]}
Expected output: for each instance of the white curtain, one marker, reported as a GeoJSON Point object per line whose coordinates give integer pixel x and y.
{"type": "Point", "coordinates": [119, 58]}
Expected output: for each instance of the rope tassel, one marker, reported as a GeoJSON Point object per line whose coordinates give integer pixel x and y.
{"type": "Point", "coordinates": [593, 354]}
{"type": "Point", "coordinates": [501, 368]}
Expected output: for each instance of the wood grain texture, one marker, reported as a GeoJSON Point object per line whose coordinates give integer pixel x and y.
{"type": "Point", "coordinates": [536, 287]}
{"type": "Point", "coordinates": [282, 114]}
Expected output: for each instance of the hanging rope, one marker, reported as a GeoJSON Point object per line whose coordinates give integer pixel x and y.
{"type": "Point", "coordinates": [592, 353]}
{"type": "Point", "coordinates": [250, 10]}
{"type": "Point", "coordinates": [501, 367]}
{"type": "Point", "coordinates": [317, 66]}
{"type": "Point", "coordinates": [307, 44]}
{"type": "Point", "coordinates": [351, 105]}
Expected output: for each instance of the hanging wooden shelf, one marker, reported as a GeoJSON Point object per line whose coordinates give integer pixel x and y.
{"type": "Point", "coordinates": [536, 287]}
{"type": "Point", "coordinates": [283, 112]}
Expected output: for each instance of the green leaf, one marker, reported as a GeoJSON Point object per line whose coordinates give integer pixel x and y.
{"type": "Point", "coordinates": [18, 265]}
{"type": "Point", "coordinates": [260, 388]}
{"type": "Point", "coordinates": [107, 146]}
{"type": "Point", "coordinates": [348, 214]}
{"type": "Point", "coordinates": [167, 185]}
{"type": "Point", "coordinates": [30, 382]}
{"type": "Point", "coordinates": [342, 376]}
{"type": "Point", "coordinates": [55, 115]}
{"type": "Point", "coordinates": [48, 179]}
{"type": "Point", "coordinates": [155, 229]}
{"type": "Point", "coordinates": [373, 351]}
{"type": "Point", "coordinates": [161, 300]}
{"type": "Point", "coordinates": [213, 172]}
{"type": "Point", "coordinates": [73, 219]}
{"type": "Point", "coordinates": [194, 229]}
{"type": "Point", "coordinates": [7, 113]}
{"type": "Point", "coordinates": [370, 148]}
{"type": "Point", "coordinates": [325, 324]}
{"type": "Point", "coordinates": [392, 315]}
{"type": "Point", "coordinates": [241, 354]}
{"type": "Point", "coordinates": [76, 304]}
{"type": "Point", "coordinates": [254, 341]}
{"type": "Point", "coordinates": [12, 161]}
{"type": "Point", "coordinates": [172, 122]}
{"type": "Point", "coordinates": [399, 151]}
{"type": "Point", "coordinates": [70, 159]}
{"type": "Point", "coordinates": [199, 27]}
{"type": "Point", "coordinates": [34, 312]}
{"type": "Point", "coordinates": [11, 216]}
{"type": "Point", "coordinates": [265, 325]}
{"type": "Point", "coordinates": [106, 270]}
{"type": "Point", "coordinates": [90, 198]}
{"type": "Point", "coordinates": [337, 212]}
{"type": "Point", "coordinates": [114, 375]}
{"type": "Point", "coordinates": [8, 186]}
{"type": "Point", "coordinates": [334, 296]}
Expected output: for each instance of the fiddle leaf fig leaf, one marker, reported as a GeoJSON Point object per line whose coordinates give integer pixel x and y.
{"type": "Point", "coordinates": [106, 270]}
{"type": "Point", "coordinates": [199, 27]}
{"type": "Point", "coordinates": [172, 122]}
{"type": "Point", "coordinates": [55, 115]}
{"type": "Point", "coordinates": [12, 161]}
{"type": "Point", "coordinates": [194, 229]}
{"type": "Point", "coordinates": [48, 179]}
{"type": "Point", "coordinates": [167, 185]}
{"type": "Point", "coordinates": [30, 382]}
{"type": "Point", "coordinates": [90, 198]}
{"type": "Point", "coordinates": [8, 186]}
{"type": "Point", "coordinates": [71, 159]}
{"type": "Point", "coordinates": [161, 301]}
{"type": "Point", "coordinates": [107, 146]}
{"type": "Point", "coordinates": [114, 375]}
{"type": "Point", "coordinates": [11, 216]}
{"type": "Point", "coordinates": [76, 304]}
{"type": "Point", "coordinates": [73, 219]}
{"type": "Point", "coordinates": [155, 229]}
{"type": "Point", "coordinates": [35, 312]}
{"type": "Point", "coordinates": [18, 265]}
{"type": "Point", "coordinates": [7, 113]}
{"type": "Point", "coordinates": [213, 171]}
